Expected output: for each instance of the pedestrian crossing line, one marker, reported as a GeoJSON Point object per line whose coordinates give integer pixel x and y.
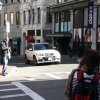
{"type": "Point", "coordinates": [9, 96]}
{"type": "Point", "coordinates": [53, 76]}
{"type": "Point", "coordinates": [10, 89]}
{"type": "Point", "coordinates": [5, 84]}
{"type": "Point", "coordinates": [28, 91]}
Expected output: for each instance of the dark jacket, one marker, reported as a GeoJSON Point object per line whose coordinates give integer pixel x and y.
{"type": "Point", "coordinates": [70, 49]}
{"type": "Point", "coordinates": [4, 49]}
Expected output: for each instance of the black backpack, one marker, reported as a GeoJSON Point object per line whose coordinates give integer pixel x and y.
{"type": "Point", "coordinates": [86, 90]}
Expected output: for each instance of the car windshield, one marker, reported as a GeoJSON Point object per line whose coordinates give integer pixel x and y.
{"type": "Point", "coordinates": [42, 47]}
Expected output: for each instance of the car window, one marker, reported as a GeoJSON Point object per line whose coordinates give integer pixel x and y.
{"type": "Point", "coordinates": [42, 47]}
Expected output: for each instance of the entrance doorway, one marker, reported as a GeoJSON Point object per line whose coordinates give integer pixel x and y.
{"type": "Point", "coordinates": [62, 44]}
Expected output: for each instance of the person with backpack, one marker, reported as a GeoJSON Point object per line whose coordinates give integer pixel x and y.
{"type": "Point", "coordinates": [84, 82]}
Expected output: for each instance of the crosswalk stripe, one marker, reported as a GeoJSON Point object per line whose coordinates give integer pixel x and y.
{"type": "Point", "coordinates": [5, 84]}
{"type": "Point", "coordinates": [53, 76]}
{"type": "Point", "coordinates": [28, 91]}
{"type": "Point", "coordinates": [9, 96]}
{"type": "Point", "coordinates": [9, 89]}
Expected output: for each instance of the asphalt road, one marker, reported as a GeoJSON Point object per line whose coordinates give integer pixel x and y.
{"type": "Point", "coordinates": [42, 82]}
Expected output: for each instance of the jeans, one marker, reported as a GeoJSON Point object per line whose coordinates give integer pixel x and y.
{"type": "Point", "coordinates": [5, 63]}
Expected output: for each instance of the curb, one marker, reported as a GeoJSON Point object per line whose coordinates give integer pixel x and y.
{"type": "Point", "coordinates": [12, 71]}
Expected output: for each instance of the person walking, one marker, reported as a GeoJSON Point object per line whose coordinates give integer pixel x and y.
{"type": "Point", "coordinates": [70, 50]}
{"type": "Point", "coordinates": [5, 51]}
{"type": "Point", "coordinates": [88, 66]}
{"type": "Point", "coordinates": [80, 50]}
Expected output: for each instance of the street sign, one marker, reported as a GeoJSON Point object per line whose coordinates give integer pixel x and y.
{"type": "Point", "coordinates": [90, 14]}
{"type": "Point", "coordinates": [7, 27]}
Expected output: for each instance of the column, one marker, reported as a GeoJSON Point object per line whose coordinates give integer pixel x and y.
{"type": "Point", "coordinates": [94, 30]}
{"type": "Point", "coordinates": [53, 28]}
{"type": "Point", "coordinates": [71, 25]}
{"type": "Point", "coordinates": [43, 21]}
{"type": "Point", "coordinates": [35, 15]}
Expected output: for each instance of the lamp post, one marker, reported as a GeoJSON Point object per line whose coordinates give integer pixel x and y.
{"type": "Point", "coordinates": [1, 9]}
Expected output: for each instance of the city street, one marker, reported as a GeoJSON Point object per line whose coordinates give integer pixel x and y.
{"type": "Point", "coordinates": [42, 82]}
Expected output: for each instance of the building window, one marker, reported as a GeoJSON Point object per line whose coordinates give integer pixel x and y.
{"type": "Point", "coordinates": [0, 19]}
{"type": "Point", "coordinates": [33, 15]}
{"type": "Point", "coordinates": [78, 18]}
{"type": "Point", "coordinates": [57, 22]}
{"type": "Point", "coordinates": [18, 0]}
{"type": "Point", "coordinates": [99, 15]}
{"type": "Point", "coordinates": [65, 21]}
{"type": "Point", "coordinates": [29, 18]}
{"type": "Point", "coordinates": [58, 1]}
{"type": "Point", "coordinates": [39, 15]}
{"type": "Point", "coordinates": [24, 0]}
{"type": "Point", "coordinates": [5, 18]}
{"type": "Point", "coordinates": [6, 1]}
{"type": "Point", "coordinates": [38, 41]}
{"type": "Point", "coordinates": [11, 18]}
{"type": "Point", "coordinates": [49, 16]}
{"type": "Point", "coordinates": [38, 32]}
{"type": "Point", "coordinates": [12, 0]}
{"type": "Point", "coordinates": [86, 17]}
{"type": "Point", "coordinates": [17, 18]}
{"type": "Point", "coordinates": [24, 17]}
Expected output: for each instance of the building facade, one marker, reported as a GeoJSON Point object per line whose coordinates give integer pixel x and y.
{"type": "Point", "coordinates": [33, 19]}
{"type": "Point", "coordinates": [11, 12]}
{"type": "Point", "coordinates": [70, 25]}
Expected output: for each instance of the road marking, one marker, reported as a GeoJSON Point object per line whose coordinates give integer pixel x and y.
{"type": "Point", "coordinates": [31, 79]}
{"type": "Point", "coordinates": [9, 96]}
{"type": "Point", "coordinates": [28, 91]}
{"type": "Point", "coordinates": [9, 89]}
{"type": "Point", "coordinates": [53, 76]}
{"type": "Point", "coordinates": [5, 84]}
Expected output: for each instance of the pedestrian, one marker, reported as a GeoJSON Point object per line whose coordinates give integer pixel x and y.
{"type": "Point", "coordinates": [14, 51]}
{"type": "Point", "coordinates": [5, 56]}
{"type": "Point", "coordinates": [89, 67]}
{"type": "Point", "coordinates": [80, 50]}
{"type": "Point", "coordinates": [70, 50]}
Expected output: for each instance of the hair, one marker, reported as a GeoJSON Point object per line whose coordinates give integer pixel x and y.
{"type": "Point", "coordinates": [91, 59]}
{"type": "Point", "coordinates": [89, 31]}
{"type": "Point", "coordinates": [78, 35]}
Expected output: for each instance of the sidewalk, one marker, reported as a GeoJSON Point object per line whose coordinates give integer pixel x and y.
{"type": "Point", "coordinates": [10, 69]}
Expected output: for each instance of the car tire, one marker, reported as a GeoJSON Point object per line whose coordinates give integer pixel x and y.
{"type": "Point", "coordinates": [34, 61]}
{"type": "Point", "coordinates": [57, 62]}
{"type": "Point", "coordinates": [26, 60]}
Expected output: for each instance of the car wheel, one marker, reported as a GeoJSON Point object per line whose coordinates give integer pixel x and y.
{"type": "Point", "coordinates": [58, 62]}
{"type": "Point", "coordinates": [34, 61]}
{"type": "Point", "coordinates": [26, 60]}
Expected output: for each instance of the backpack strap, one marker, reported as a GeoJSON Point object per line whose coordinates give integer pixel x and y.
{"type": "Point", "coordinates": [80, 75]}
{"type": "Point", "coordinates": [96, 78]}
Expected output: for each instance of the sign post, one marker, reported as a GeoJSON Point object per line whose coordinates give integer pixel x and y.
{"type": "Point", "coordinates": [90, 14]}
{"type": "Point", "coordinates": [7, 29]}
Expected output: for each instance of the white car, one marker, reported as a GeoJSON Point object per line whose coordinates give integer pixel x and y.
{"type": "Point", "coordinates": [41, 53]}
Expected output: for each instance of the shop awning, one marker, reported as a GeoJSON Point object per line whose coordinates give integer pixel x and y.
{"type": "Point", "coordinates": [16, 39]}
{"type": "Point", "coordinates": [29, 38]}
{"type": "Point", "coordinates": [59, 35]}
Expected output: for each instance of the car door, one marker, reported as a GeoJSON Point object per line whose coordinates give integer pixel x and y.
{"type": "Point", "coordinates": [30, 51]}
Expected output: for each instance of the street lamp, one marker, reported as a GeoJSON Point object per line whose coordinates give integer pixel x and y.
{"type": "Point", "coordinates": [1, 5]}
{"type": "Point", "coordinates": [0, 9]}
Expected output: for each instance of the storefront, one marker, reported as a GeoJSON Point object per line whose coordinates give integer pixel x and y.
{"type": "Point", "coordinates": [72, 18]}
{"type": "Point", "coordinates": [16, 41]}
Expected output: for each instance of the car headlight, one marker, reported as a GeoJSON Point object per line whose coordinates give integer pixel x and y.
{"type": "Point", "coordinates": [39, 54]}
